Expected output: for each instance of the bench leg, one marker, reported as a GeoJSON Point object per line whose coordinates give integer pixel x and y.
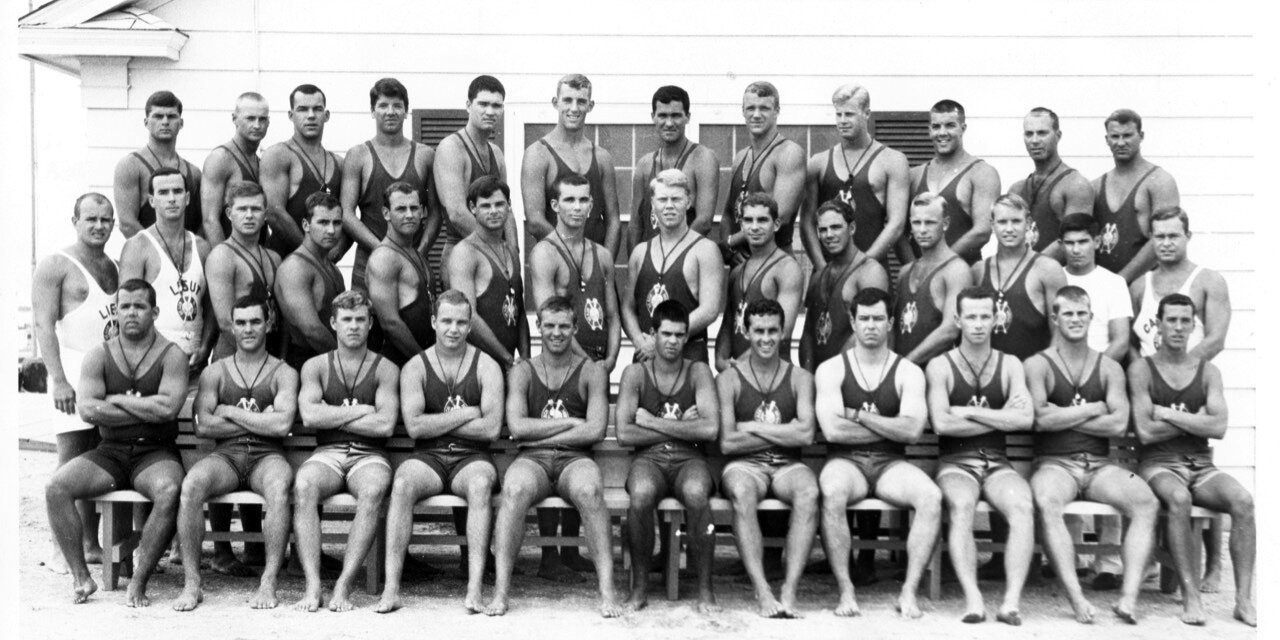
{"type": "Point", "coordinates": [672, 571]}
{"type": "Point", "coordinates": [935, 573]}
{"type": "Point", "coordinates": [110, 570]}
{"type": "Point", "coordinates": [376, 558]}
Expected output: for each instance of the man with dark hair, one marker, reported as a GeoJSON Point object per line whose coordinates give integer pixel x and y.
{"type": "Point", "coordinates": [162, 116]}
{"type": "Point", "coordinates": [1053, 190]}
{"type": "Point", "coordinates": [1140, 188]}
{"type": "Point", "coordinates": [867, 423]}
{"type": "Point", "coordinates": [967, 184]}
{"type": "Point", "coordinates": [488, 273]}
{"type": "Point", "coordinates": [399, 280]}
{"type": "Point", "coordinates": [235, 161]}
{"type": "Point", "coordinates": [769, 272]}
{"type": "Point", "coordinates": [766, 416]}
{"type": "Point", "coordinates": [466, 156]}
{"type": "Point", "coordinates": [307, 282]}
{"type": "Point", "coordinates": [557, 407]}
{"type": "Point", "coordinates": [247, 415]}
{"type": "Point", "coordinates": [1178, 405]}
{"type": "Point", "coordinates": [451, 398]}
{"type": "Point", "coordinates": [131, 389]}
{"type": "Point", "coordinates": [870, 177]}
{"type": "Point", "coordinates": [567, 149]}
{"type": "Point", "coordinates": [771, 164]}
{"type": "Point", "coordinates": [349, 397]}
{"type": "Point", "coordinates": [667, 410]}
{"type": "Point", "coordinates": [1080, 404]}
{"type": "Point", "coordinates": [370, 168]}
{"type": "Point", "coordinates": [242, 267]}
{"type": "Point", "coordinates": [929, 285]}
{"type": "Point", "coordinates": [670, 113]}
{"type": "Point", "coordinates": [295, 169]}
{"type": "Point", "coordinates": [971, 409]}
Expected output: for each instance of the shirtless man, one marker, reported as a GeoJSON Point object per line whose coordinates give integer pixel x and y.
{"type": "Point", "coordinates": [1080, 403]}
{"type": "Point", "coordinates": [771, 164]}
{"type": "Point", "coordinates": [968, 184]}
{"type": "Point", "coordinates": [237, 160]}
{"type": "Point", "coordinates": [163, 120]}
{"type": "Point", "coordinates": [769, 272]}
{"type": "Point", "coordinates": [1053, 190]}
{"type": "Point", "coordinates": [766, 416]}
{"type": "Point", "coordinates": [867, 423]}
{"type": "Point", "coordinates": [298, 167]}
{"type": "Point", "coordinates": [369, 168]}
{"type": "Point", "coordinates": [307, 282]}
{"type": "Point", "coordinates": [1140, 188]}
{"type": "Point", "coordinates": [451, 399]}
{"type": "Point", "coordinates": [399, 280]}
{"type": "Point", "coordinates": [1177, 407]}
{"type": "Point", "coordinates": [929, 285]}
{"type": "Point", "coordinates": [349, 397]}
{"type": "Point", "coordinates": [246, 404]}
{"type": "Point", "coordinates": [667, 409]}
{"type": "Point", "coordinates": [73, 310]}
{"type": "Point", "coordinates": [466, 156]}
{"type": "Point", "coordinates": [682, 268]}
{"type": "Point", "coordinates": [971, 417]}
{"type": "Point", "coordinates": [567, 149]}
{"type": "Point", "coordinates": [242, 267]}
{"type": "Point", "coordinates": [869, 176]}
{"type": "Point", "coordinates": [488, 273]}
{"type": "Point", "coordinates": [131, 388]}
{"type": "Point", "coordinates": [670, 114]}
{"type": "Point", "coordinates": [557, 406]}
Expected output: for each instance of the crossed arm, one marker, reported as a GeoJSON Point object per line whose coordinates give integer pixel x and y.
{"type": "Point", "coordinates": [1156, 423]}
{"type": "Point", "coordinates": [740, 438]}
{"type": "Point", "coordinates": [851, 426]}
{"type": "Point", "coordinates": [217, 421]}
{"type": "Point", "coordinates": [99, 408]}
{"type": "Point", "coordinates": [1106, 419]}
{"type": "Point", "coordinates": [545, 432]}
{"type": "Point", "coordinates": [637, 427]}
{"type": "Point", "coordinates": [965, 421]}
{"type": "Point", "coordinates": [375, 421]}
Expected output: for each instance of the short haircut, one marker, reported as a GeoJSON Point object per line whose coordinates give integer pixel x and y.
{"type": "Point", "coordinates": [166, 171]}
{"type": "Point", "coordinates": [1078, 222]}
{"type": "Point", "coordinates": [484, 83]}
{"type": "Point", "coordinates": [667, 94]}
{"type": "Point", "coordinates": [1071, 293]}
{"type": "Point", "coordinates": [845, 209]}
{"type": "Point", "coordinates": [927, 199]}
{"type": "Point", "coordinates": [568, 180]}
{"type": "Point", "coordinates": [1175, 300]}
{"type": "Point", "coordinates": [947, 105]}
{"type": "Point", "coordinates": [854, 93]}
{"type": "Point", "coordinates": [399, 186]}
{"type": "Point", "coordinates": [487, 185]}
{"type": "Point", "coordinates": [975, 293]}
{"type": "Point", "coordinates": [1123, 117]}
{"type": "Point", "coordinates": [670, 311]}
{"type": "Point", "coordinates": [162, 99]}
{"type": "Point", "coordinates": [250, 96]}
{"type": "Point", "coordinates": [765, 89]}
{"type": "Point", "coordinates": [350, 300]}
{"type": "Point", "coordinates": [764, 307]}
{"type": "Point", "coordinates": [673, 178]}
{"type": "Point", "coordinates": [761, 199]}
{"type": "Point", "coordinates": [247, 301]}
{"type": "Point", "coordinates": [138, 284]}
{"type": "Point", "coordinates": [452, 296]}
{"type": "Point", "coordinates": [320, 199]}
{"type": "Point", "coordinates": [306, 90]}
{"type": "Point", "coordinates": [96, 197]}
{"type": "Point", "coordinates": [243, 189]}
{"type": "Point", "coordinates": [870, 297]}
{"type": "Point", "coordinates": [1045, 111]}
{"type": "Point", "coordinates": [575, 81]}
{"type": "Point", "coordinates": [1169, 213]}
{"type": "Point", "coordinates": [557, 304]}
{"type": "Point", "coordinates": [1012, 201]}
{"type": "Point", "coordinates": [388, 88]}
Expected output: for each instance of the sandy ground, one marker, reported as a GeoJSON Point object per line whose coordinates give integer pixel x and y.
{"type": "Point", "coordinates": [544, 610]}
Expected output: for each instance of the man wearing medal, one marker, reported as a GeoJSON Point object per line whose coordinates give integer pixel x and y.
{"type": "Point", "coordinates": [1053, 190]}
{"type": "Point", "coordinates": [298, 167]}
{"type": "Point", "coordinates": [399, 280]}
{"type": "Point", "coordinates": [162, 116]}
{"type": "Point", "coordinates": [241, 266]}
{"type": "Point", "coordinates": [234, 161]}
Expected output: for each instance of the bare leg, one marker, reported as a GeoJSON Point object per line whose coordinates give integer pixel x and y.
{"type": "Point", "coordinates": [904, 484]}
{"type": "Point", "coordinates": [211, 476]}
{"type": "Point", "coordinates": [842, 484]}
{"type": "Point", "coordinates": [693, 489]}
{"type": "Point", "coordinates": [476, 482]}
{"type": "Point", "coordinates": [961, 492]}
{"type": "Point", "coordinates": [272, 479]}
{"type": "Point", "coordinates": [314, 482]}
{"type": "Point", "coordinates": [582, 485]}
{"type": "Point", "coordinates": [1176, 499]}
{"type": "Point", "coordinates": [369, 485]}
{"type": "Point", "coordinates": [1053, 488]}
{"type": "Point", "coordinates": [1212, 537]}
{"type": "Point", "coordinates": [414, 480]}
{"type": "Point", "coordinates": [1224, 493]}
{"type": "Point", "coordinates": [1011, 496]}
{"type": "Point", "coordinates": [69, 446]}
{"type": "Point", "coordinates": [645, 486]}
{"type": "Point", "coordinates": [745, 494]}
{"type": "Point", "coordinates": [161, 482]}
{"type": "Point", "coordinates": [1123, 490]}
{"type": "Point", "coordinates": [799, 488]}
{"type": "Point", "coordinates": [78, 478]}
{"type": "Point", "coordinates": [524, 484]}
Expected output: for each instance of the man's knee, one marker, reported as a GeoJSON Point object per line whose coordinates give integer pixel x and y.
{"type": "Point", "coordinates": [518, 491]}
{"type": "Point", "coordinates": [166, 492]}
{"type": "Point", "coordinates": [643, 495]}
{"type": "Point", "coordinates": [275, 490]}
{"type": "Point", "coordinates": [695, 494]}
{"type": "Point", "coordinates": [1242, 506]}
{"type": "Point", "coordinates": [742, 492]}
{"type": "Point", "coordinates": [1177, 501]}
{"type": "Point", "coordinates": [805, 496]}
{"type": "Point", "coordinates": [306, 489]}
{"type": "Point", "coordinates": [58, 491]}
{"type": "Point", "coordinates": [587, 494]}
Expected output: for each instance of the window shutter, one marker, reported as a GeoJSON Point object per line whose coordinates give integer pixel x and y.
{"type": "Point", "coordinates": [905, 131]}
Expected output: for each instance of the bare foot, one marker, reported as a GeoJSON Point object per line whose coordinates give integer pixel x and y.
{"type": "Point", "coordinates": [1245, 612]}
{"type": "Point", "coordinates": [1127, 615]}
{"type": "Point", "coordinates": [974, 618]}
{"type": "Point", "coordinates": [559, 573]}
{"type": "Point", "coordinates": [189, 599]}
{"type": "Point", "coordinates": [636, 602]}
{"type": "Point", "coordinates": [136, 596]}
{"type": "Point", "coordinates": [1209, 584]}
{"type": "Point", "coordinates": [609, 608]}
{"type": "Point", "coordinates": [788, 602]}
{"type": "Point", "coordinates": [769, 606]}
{"type": "Point", "coordinates": [85, 589]}
{"type": "Point", "coordinates": [848, 607]}
{"type": "Point", "coordinates": [708, 606]}
{"type": "Point", "coordinates": [390, 602]}
{"type": "Point", "coordinates": [497, 606]}
{"type": "Point", "coordinates": [908, 607]}
{"type": "Point", "coordinates": [338, 601]}
{"type": "Point", "coordinates": [230, 566]}
{"type": "Point", "coordinates": [56, 563]}
{"type": "Point", "coordinates": [1084, 611]}
{"type": "Point", "coordinates": [473, 602]}
{"type": "Point", "coordinates": [265, 598]}
{"type": "Point", "coordinates": [93, 555]}
{"type": "Point", "coordinates": [1010, 617]}
{"type": "Point", "coordinates": [310, 601]}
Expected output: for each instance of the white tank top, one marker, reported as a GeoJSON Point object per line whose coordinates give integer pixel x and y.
{"type": "Point", "coordinates": [179, 296]}
{"type": "Point", "coordinates": [1146, 325]}
{"type": "Point", "coordinates": [93, 321]}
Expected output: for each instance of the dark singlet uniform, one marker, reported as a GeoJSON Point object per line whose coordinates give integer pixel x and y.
{"type": "Point", "coordinates": [745, 181]}
{"type": "Point", "coordinates": [448, 454]}
{"type": "Point", "coordinates": [1020, 329]}
{"type": "Point", "coordinates": [742, 293]}
{"type": "Point", "coordinates": [501, 304]}
{"type": "Point", "coordinates": [654, 287]}
{"type": "Point", "coordinates": [1122, 236]}
{"type": "Point", "coordinates": [1065, 394]}
{"type": "Point", "coordinates": [416, 315]}
{"type": "Point", "coordinates": [917, 315]}
{"type": "Point", "coordinates": [588, 302]}
{"type": "Point", "coordinates": [964, 393]}
{"type": "Point", "coordinates": [644, 209]}
{"type": "Point", "coordinates": [370, 204]}
{"type": "Point", "coordinates": [193, 219]}
{"type": "Point", "coordinates": [670, 455]}
{"type": "Point", "coordinates": [478, 169]}
{"type": "Point", "coordinates": [595, 226]}
{"type": "Point", "coordinates": [1043, 223]}
{"type": "Point", "coordinates": [299, 350]}
{"type": "Point", "coordinates": [826, 316]}
{"type": "Point", "coordinates": [869, 213]}
{"type": "Point", "coordinates": [961, 221]}
{"type": "Point", "coordinates": [775, 406]}
{"type": "Point", "coordinates": [243, 452]}
{"type": "Point", "coordinates": [565, 401]}
{"type": "Point", "coordinates": [248, 171]}
{"type": "Point", "coordinates": [311, 182]}
{"type": "Point", "coordinates": [126, 450]}
{"type": "Point", "coordinates": [262, 287]}
{"type": "Point", "coordinates": [336, 394]}
{"type": "Point", "coordinates": [871, 458]}
{"type": "Point", "coordinates": [1186, 456]}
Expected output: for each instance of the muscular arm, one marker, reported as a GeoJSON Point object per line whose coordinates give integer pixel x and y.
{"type": "Point", "coordinates": [630, 319]}
{"type": "Point", "coordinates": [220, 280]}
{"type": "Point", "coordinates": [413, 407]}
{"type": "Point", "coordinates": [629, 432]}
{"type": "Point", "coordinates": [830, 409]}
{"type": "Point", "coordinates": [896, 195]}
{"type": "Point", "coordinates": [1077, 197]}
{"type": "Point", "coordinates": [92, 405]}
{"type": "Point", "coordinates": [724, 336]}
{"type": "Point", "coordinates": [524, 428]}
{"type": "Point", "coordinates": [165, 404]}
{"type": "Point", "coordinates": [612, 219]}
{"type": "Point", "coordinates": [706, 177]}
{"type": "Point", "coordinates": [1217, 316]}
{"type": "Point", "coordinates": [217, 172]}
{"type": "Point", "coordinates": [209, 424]}
{"type": "Point", "coordinates": [954, 278]}
{"type": "Point", "coordinates": [790, 289]}
{"type": "Point", "coordinates": [1118, 338]}
{"type": "Point", "coordinates": [1149, 428]}
{"type": "Point", "coordinates": [808, 222]}
{"type": "Point", "coordinates": [984, 185]}
{"type": "Point", "coordinates": [352, 185]}
{"type": "Point", "coordinates": [450, 171]}
{"type": "Point", "coordinates": [639, 193]}
{"type": "Point", "coordinates": [133, 260]}
{"type": "Point", "coordinates": [1161, 192]}
{"type": "Point", "coordinates": [710, 287]}
{"type": "Point", "coordinates": [382, 421]}
{"type": "Point", "coordinates": [383, 269]}
{"type": "Point", "coordinates": [700, 423]}
{"type": "Point", "coordinates": [788, 182]}
{"type": "Point", "coordinates": [293, 289]}
{"type": "Point", "coordinates": [946, 421]}
{"type": "Point", "coordinates": [913, 410]}
{"type": "Point", "coordinates": [1017, 413]}
{"type": "Point", "coordinates": [734, 441]}
{"type": "Point", "coordinates": [799, 432]}
{"type": "Point", "coordinates": [127, 196]}
{"type": "Point", "coordinates": [276, 180]}
{"type": "Point", "coordinates": [592, 430]}
{"type": "Point", "coordinates": [46, 299]}
{"type": "Point", "coordinates": [612, 316]}
{"type": "Point", "coordinates": [1051, 277]}
{"type": "Point", "coordinates": [463, 267]}
{"type": "Point", "coordinates": [432, 212]}
{"type": "Point", "coordinates": [1051, 417]}
{"type": "Point", "coordinates": [533, 172]}
{"type": "Point", "coordinates": [1211, 421]}
{"type": "Point", "coordinates": [316, 414]}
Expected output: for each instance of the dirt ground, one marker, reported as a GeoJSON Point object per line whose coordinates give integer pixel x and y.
{"type": "Point", "coordinates": [545, 610]}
